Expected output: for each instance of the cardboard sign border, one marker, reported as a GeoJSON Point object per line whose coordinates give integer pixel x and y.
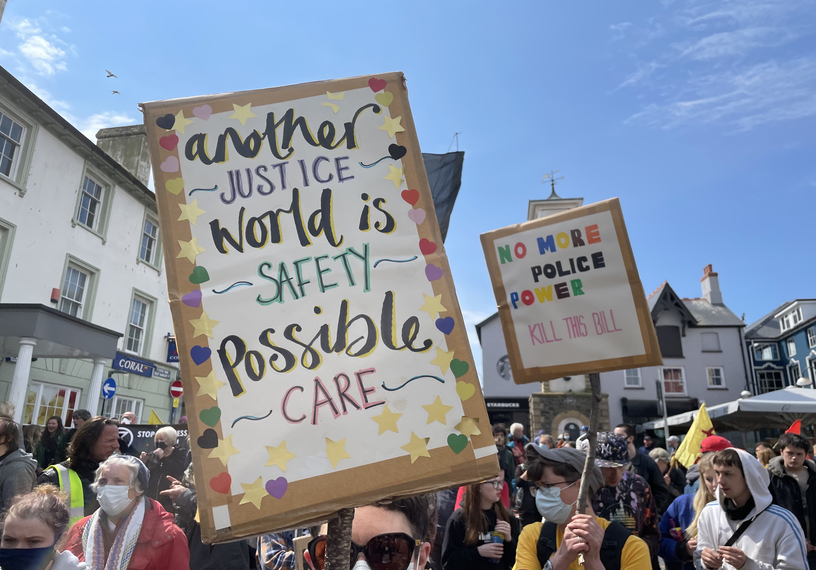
{"type": "Point", "coordinates": [521, 375]}
{"type": "Point", "coordinates": [305, 501]}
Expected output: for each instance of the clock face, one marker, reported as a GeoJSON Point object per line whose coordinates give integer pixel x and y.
{"type": "Point", "coordinates": [503, 367]}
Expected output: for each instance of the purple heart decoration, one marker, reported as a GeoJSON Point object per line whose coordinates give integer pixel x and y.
{"type": "Point", "coordinates": [202, 112]}
{"type": "Point", "coordinates": [432, 272]}
{"type": "Point", "coordinates": [417, 216]}
{"type": "Point", "coordinates": [277, 487]}
{"type": "Point", "coordinates": [445, 325]}
{"type": "Point", "coordinates": [200, 354]}
{"type": "Point", "coordinates": [170, 165]}
{"type": "Point", "coordinates": [192, 299]}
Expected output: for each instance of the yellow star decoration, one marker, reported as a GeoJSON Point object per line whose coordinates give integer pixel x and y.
{"type": "Point", "coordinates": [242, 113]}
{"type": "Point", "coordinates": [335, 451]}
{"type": "Point", "coordinates": [392, 126]}
{"type": "Point", "coordinates": [334, 106]}
{"type": "Point", "coordinates": [204, 325]}
{"type": "Point", "coordinates": [209, 385]}
{"type": "Point", "coordinates": [395, 175]}
{"type": "Point", "coordinates": [189, 249]}
{"type": "Point", "coordinates": [190, 212]}
{"type": "Point", "coordinates": [224, 451]}
{"type": "Point", "coordinates": [180, 122]}
{"type": "Point", "coordinates": [335, 96]}
{"type": "Point", "coordinates": [417, 447]}
{"type": "Point", "coordinates": [468, 426]}
{"type": "Point", "coordinates": [387, 420]}
{"type": "Point", "coordinates": [433, 305]}
{"type": "Point", "coordinates": [279, 456]}
{"type": "Point", "coordinates": [443, 359]}
{"type": "Point", "coordinates": [253, 493]}
{"type": "Point", "coordinates": [437, 411]}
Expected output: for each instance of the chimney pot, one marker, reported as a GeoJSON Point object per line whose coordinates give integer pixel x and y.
{"type": "Point", "coordinates": [710, 284]}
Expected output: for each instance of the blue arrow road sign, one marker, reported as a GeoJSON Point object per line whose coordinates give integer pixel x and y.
{"type": "Point", "coordinates": [108, 388]}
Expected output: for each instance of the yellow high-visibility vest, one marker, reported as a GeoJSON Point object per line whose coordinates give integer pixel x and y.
{"type": "Point", "coordinates": [76, 498]}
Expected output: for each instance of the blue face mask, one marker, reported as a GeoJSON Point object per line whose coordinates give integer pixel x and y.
{"type": "Point", "coordinates": [550, 505]}
{"type": "Point", "coordinates": [25, 558]}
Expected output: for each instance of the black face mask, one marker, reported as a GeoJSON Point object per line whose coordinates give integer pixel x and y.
{"type": "Point", "coordinates": [25, 558]}
{"type": "Point", "coordinates": [161, 445]}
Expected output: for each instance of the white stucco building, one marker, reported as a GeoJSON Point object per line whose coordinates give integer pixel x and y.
{"type": "Point", "coordinates": [82, 285]}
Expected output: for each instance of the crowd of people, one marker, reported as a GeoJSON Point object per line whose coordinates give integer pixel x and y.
{"type": "Point", "coordinates": [81, 499]}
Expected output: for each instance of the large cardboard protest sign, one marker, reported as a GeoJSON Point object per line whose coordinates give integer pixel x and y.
{"type": "Point", "coordinates": [323, 351]}
{"type": "Point", "coordinates": [569, 295]}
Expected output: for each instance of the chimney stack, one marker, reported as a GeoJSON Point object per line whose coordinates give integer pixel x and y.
{"type": "Point", "coordinates": [128, 147]}
{"type": "Point", "coordinates": [710, 284]}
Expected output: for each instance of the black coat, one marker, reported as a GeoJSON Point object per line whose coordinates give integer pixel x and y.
{"type": "Point", "coordinates": [525, 501]}
{"type": "Point", "coordinates": [159, 469]}
{"type": "Point", "coordinates": [646, 467]}
{"type": "Point", "coordinates": [787, 494]}
{"type": "Point", "coordinates": [456, 555]}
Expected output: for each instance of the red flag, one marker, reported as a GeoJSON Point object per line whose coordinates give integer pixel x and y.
{"type": "Point", "coordinates": [796, 427]}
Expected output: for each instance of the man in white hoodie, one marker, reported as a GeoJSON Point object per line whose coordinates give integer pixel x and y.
{"type": "Point", "coordinates": [742, 529]}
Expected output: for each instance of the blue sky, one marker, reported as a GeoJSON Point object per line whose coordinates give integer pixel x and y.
{"type": "Point", "coordinates": [699, 115]}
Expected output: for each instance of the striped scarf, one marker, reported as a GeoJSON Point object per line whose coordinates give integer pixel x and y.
{"type": "Point", "coordinates": [93, 542]}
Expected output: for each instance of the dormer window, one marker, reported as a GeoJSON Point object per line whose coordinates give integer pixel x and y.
{"type": "Point", "coordinates": [790, 319]}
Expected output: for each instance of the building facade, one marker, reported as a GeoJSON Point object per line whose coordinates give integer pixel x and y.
{"type": "Point", "coordinates": [782, 346]}
{"type": "Point", "coordinates": [704, 361]}
{"type": "Point", "coordinates": [82, 284]}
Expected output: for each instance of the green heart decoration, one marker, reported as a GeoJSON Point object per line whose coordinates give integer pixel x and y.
{"type": "Point", "coordinates": [199, 275]}
{"type": "Point", "coordinates": [457, 442]}
{"type": "Point", "coordinates": [210, 416]}
{"type": "Point", "coordinates": [459, 367]}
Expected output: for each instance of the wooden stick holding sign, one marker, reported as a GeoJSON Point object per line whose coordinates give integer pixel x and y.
{"type": "Point", "coordinates": [338, 541]}
{"type": "Point", "coordinates": [592, 439]}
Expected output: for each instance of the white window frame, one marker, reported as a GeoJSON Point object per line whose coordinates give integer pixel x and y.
{"type": "Point", "coordinates": [763, 382]}
{"type": "Point", "coordinates": [791, 346]}
{"type": "Point", "coordinates": [790, 319]}
{"type": "Point", "coordinates": [7, 230]}
{"type": "Point", "coordinates": [135, 405]}
{"type": "Point", "coordinates": [39, 388]}
{"type": "Point", "coordinates": [626, 378]}
{"type": "Point", "coordinates": [682, 379]}
{"type": "Point", "coordinates": [811, 336]}
{"type": "Point", "coordinates": [91, 281]}
{"type": "Point", "coordinates": [147, 326]}
{"type": "Point", "coordinates": [720, 386]}
{"type": "Point", "coordinates": [156, 260]}
{"type": "Point", "coordinates": [794, 377]}
{"type": "Point", "coordinates": [21, 166]}
{"type": "Point", "coordinates": [100, 225]}
{"type": "Point", "coordinates": [759, 348]}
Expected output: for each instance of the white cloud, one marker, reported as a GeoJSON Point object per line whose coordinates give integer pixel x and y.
{"type": "Point", "coordinates": [46, 58]}
{"type": "Point", "coordinates": [731, 63]}
{"type": "Point", "coordinates": [619, 30]}
{"type": "Point", "coordinates": [90, 125]}
{"type": "Point", "coordinates": [66, 29]}
{"type": "Point", "coordinates": [41, 49]}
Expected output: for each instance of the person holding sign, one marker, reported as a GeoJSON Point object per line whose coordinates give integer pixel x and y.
{"type": "Point", "coordinates": [165, 461]}
{"type": "Point", "coordinates": [556, 544]}
{"type": "Point", "coordinates": [472, 531]}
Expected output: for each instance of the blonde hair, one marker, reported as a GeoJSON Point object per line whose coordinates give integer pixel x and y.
{"type": "Point", "coordinates": [703, 496]}
{"type": "Point", "coordinates": [765, 455]}
{"type": "Point", "coordinates": [169, 433]}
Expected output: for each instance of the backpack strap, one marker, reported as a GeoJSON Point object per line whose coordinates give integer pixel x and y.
{"type": "Point", "coordinates": [546, 545]}
{"type": "Point", "coordinates": [615, 538]}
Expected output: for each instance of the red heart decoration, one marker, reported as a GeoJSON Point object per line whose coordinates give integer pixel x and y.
{"type": "Point", "coordinates": [169, 142]}
{"type": "Point", "coordinates": [426, 247]}
{"type": "Point", "coordinates": [376, 84]}
{"type": "Point", "coordinates": [221, 483]}
{"type": "Point", "coordinates": [410, 196]}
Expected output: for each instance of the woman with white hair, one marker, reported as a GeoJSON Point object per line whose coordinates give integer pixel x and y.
{"type": "Point", "coordinates": [126, 517]}
{"type": "Point", "coordinates": [166, 459]}
{"type": "Point", "coordinates": [516, 442]}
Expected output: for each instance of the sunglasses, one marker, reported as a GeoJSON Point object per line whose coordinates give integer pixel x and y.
{"type": "Point", "coordinates": [390, 551]}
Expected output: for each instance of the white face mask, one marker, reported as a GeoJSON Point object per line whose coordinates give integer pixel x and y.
{"type": "Point", "coordinates": [113, 499]}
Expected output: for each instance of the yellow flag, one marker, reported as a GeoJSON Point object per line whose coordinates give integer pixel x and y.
{"type": "Point", "coordinates": [155, 420]}
{"type": "Point", "coordinates": [701, 428]}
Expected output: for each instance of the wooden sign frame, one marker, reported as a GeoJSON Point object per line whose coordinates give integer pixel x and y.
{"type": "Point", "coordinates": [651, 354]}
{"type": "Point", "coordinates": [227, 513]}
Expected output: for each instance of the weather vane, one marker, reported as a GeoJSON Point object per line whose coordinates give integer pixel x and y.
{"type": "Point", "coordinates": [553, 181]}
